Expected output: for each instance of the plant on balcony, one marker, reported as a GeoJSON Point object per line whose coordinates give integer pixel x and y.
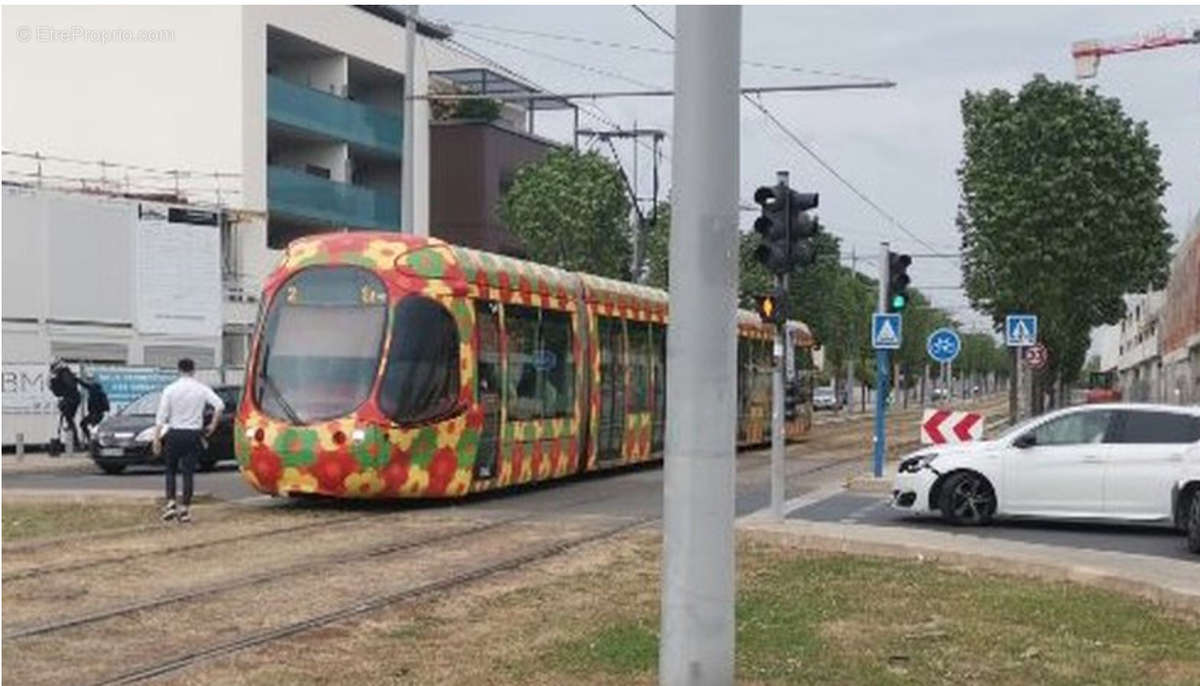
{"type": "Point", "coordinates": [486, 110]}
{"type": "Point", "coordinates": [571, 211]}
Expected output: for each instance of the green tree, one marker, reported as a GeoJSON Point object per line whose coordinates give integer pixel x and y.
{"type": "Point", "coordinates": [1060, 212]}
{"type": "Point", "coordinates": [571, 211]}
{"type": "Point", "coordinates": [658, 248]}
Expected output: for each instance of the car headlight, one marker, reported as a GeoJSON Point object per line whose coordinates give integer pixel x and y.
{"type": "Point", "coordinates": [145, 436]}
{"type": "Point", "coordinates": [917, 462]}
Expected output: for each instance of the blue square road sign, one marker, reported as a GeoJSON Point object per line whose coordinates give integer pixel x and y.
{"type": "Point", "coordinates": [1020, 330]}
{"type": "Point", "coordinates": [885, 331]}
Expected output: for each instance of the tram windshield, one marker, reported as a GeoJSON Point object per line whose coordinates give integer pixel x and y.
{"type": "Point", "coordinates": [321, 344]}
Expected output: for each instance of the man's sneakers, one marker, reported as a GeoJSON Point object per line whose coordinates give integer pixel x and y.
{"type": "Point", "coordinates": [184, 515]}
{"type": "Point", "coordinates": [169, 512]}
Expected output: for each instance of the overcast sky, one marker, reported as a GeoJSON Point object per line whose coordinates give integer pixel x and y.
{"type": "Point", "coordinates": [900, 146]}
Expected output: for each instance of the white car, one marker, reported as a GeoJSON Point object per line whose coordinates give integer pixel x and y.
{"type": "Point", "coordinates": [1120, 461]}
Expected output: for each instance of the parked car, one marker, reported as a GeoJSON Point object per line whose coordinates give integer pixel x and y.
{"type": "Point", "coordinates": [1185, 503]}
{"type": "Point", "coordinates": [1115, 462]}
{"type": "Point", "coordinates": [824, 398]}
{"type": "Point", "coordinates": [125, 437]}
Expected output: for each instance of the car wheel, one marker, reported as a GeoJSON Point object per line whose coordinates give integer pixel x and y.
{"type": "Point", "coordinates": [967, 499]}
{"type": "Point", "coordinates": [111, 467]}
{"type": "Point", "coordinates": [1193, 523]}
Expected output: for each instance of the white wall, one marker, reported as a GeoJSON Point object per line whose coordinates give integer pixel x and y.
{"type": "Point", "coordinates": [169, 104]}
{"type": "Point", "coordinates": [330, 74]}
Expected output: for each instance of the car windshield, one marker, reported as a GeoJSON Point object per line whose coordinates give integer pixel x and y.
{"type": "Point", "coordinates": [146, 405]}
{"type": "Point", "coordinates": [1020, 428]}
{"type": "Point", "coordinates": [823, 393]}
{"type": "Point", "coordinates": [321, 344]}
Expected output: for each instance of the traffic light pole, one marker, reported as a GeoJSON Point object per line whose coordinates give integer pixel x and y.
{"type": "Point", "coordinates": [777, 380]}
{"type": "Point", "coordinates": [881, 370]}
{"type": "Point", "coordinates": [697, 638]}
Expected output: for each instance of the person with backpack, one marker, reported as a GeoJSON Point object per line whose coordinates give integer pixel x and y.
{"type": "Point", "coordinates": [65, 386]}
{"type": "Point", "coordinates": [97, 405]}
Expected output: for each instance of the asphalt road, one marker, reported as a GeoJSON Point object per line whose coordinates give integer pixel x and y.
{"type": "Point", "coordinates": [636, 491]}
{"type": "Point", "coordinates": [857, 508]}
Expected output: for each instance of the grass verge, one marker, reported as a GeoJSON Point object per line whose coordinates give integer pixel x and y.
{"type": "Point", "coordinates": [853, 620]}
{"type": "Point", "coordinates": [27, 520]}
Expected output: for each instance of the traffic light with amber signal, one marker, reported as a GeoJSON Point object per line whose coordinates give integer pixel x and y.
{"type": "Point", "coordinates": [897, 292]}
{"type": "Point", "coordinates": [772, 309]}
{"type": "Point", "coordinates": [784, 228]}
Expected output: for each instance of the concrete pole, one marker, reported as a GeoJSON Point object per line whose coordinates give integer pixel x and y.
{"type": "Point", "coordinates": [407, 164]}
{"type": "Point", "coordinates": [696, 646]}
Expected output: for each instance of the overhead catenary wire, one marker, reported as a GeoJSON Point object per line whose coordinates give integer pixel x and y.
{"type": "Point", "coordinates": [808, 149]}
{"type": "Point", "coordinates": [651, 50]}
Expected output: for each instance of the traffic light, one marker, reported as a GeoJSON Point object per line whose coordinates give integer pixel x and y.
{"type": "Point", "coordinates": [791, 401]}
{"type": "Point", "coordinates": [897, 293]}
{"type": "Point", "coordinates": [772, 309]}
{"type": "Point", "coordinates": [785, 229]}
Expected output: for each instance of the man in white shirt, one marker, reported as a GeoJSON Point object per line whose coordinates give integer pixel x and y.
{"type": "Point", "coordinates": [181, 416]}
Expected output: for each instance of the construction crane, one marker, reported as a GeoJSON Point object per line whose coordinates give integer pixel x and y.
{"type": "Point", "coordinates": [1087, 53]}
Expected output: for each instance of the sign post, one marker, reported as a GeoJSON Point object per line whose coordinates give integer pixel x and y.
{"type": "Point", "coordinates": [885, 335]}
{"type": "Point", "coordinates": [1020, 331]}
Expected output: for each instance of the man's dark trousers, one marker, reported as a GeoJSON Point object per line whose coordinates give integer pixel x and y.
{"type": "Point", "coordinates": [183, 448]}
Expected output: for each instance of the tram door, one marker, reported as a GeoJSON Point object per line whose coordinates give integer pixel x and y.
{"type": "Point", "coordinates": [612, 389]}
{"type": "Point", "coordinates": [487, 323]}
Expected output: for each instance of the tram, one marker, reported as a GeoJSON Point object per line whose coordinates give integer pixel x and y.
{"type": "Point", "coordinates": [385, 365]}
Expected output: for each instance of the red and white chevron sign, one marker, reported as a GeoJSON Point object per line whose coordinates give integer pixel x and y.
{"type": "Point", "coordinates": [943, 426]}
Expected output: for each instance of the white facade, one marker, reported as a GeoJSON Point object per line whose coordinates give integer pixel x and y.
{"type": "Point", "coordinates": [185, 88]}
{"type": "Point", "coordinates": [1139, 361]}
{"type": "Point", "coordinates": [192, 95]}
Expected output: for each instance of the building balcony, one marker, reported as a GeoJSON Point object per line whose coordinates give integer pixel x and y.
{"type": "Point", "coordinates": [311, 110]}
{"type": "Point", "coordinates": [296, 194]}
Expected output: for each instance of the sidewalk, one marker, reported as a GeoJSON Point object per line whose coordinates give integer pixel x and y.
{"type": "Point", "coordinates": [41, 463]}
{"type": "Point", "coordinates": [1173, 583]}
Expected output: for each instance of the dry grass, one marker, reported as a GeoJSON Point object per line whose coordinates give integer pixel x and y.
{"type": "Point", "coordinates": [26, 520]}
{"type": "Point", "coordinates": [591, 617]}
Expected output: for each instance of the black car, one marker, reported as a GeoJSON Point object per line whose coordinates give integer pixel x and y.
{"type": "Point", "coordinates": [125, 437]}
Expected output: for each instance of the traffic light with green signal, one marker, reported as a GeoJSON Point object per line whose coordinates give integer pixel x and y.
{"type": "Point", "coordinates": [897, 292]}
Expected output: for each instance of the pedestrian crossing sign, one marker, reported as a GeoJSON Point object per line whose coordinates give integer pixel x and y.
{"type": "Point", "coordinates": [1020, 330]}
{"type": "Point", "coordinates": [885, 331]}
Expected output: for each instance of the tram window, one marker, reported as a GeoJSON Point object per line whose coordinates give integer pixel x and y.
{"type": "Point", "coordinates": [521, 327]}
{"type": "Point", "coordinates": [639, 365]}
{"type": "Point", "coordinates": [421, 379]}
{"type": "Point", "coordinates": [557, 364]}
{"type": "Point", "coordinates": [487, 323]}
{"type": "Point", "coordinates": [658, 334]}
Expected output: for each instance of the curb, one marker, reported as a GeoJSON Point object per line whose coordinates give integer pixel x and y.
{"type": "Point", "coordinates": [1019, 560]}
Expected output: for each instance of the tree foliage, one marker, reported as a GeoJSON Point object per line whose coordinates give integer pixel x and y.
{"type": "Point", "coordinates": [571, 211]}
{"type": "Point", "coordinates": [658, 248]}
{"type": "Point", "coordinates": [1060, 212]}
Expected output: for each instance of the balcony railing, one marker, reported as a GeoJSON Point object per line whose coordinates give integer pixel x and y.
{"type": "Point", "coordinates": [302, 195]}
{"type": "Point", "coordinates": [311, 110]}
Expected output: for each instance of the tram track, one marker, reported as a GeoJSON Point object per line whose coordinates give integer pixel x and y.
{"type": "Point", "coordinates": [366, 605]}
{"type": "Point", "coordinates": [46, 570]}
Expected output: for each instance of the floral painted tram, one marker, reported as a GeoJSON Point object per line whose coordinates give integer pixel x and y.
{"type": "Point", "coordinates": [387, 365]}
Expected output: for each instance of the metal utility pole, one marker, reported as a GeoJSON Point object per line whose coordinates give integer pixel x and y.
{"type": "Point", "coordinates": [407, 166]}
{"type": "Point", "coordinates": [850, 343]}
{"type": "Point", "coordinates": [696, 645]}
{"type": "Point", "coordinates": [777, 380]}
{"type": "Point", "coordinates": [881, 367]}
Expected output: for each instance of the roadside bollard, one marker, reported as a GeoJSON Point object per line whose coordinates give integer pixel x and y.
{"type": "Point", "coordinates": [20, 447]}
